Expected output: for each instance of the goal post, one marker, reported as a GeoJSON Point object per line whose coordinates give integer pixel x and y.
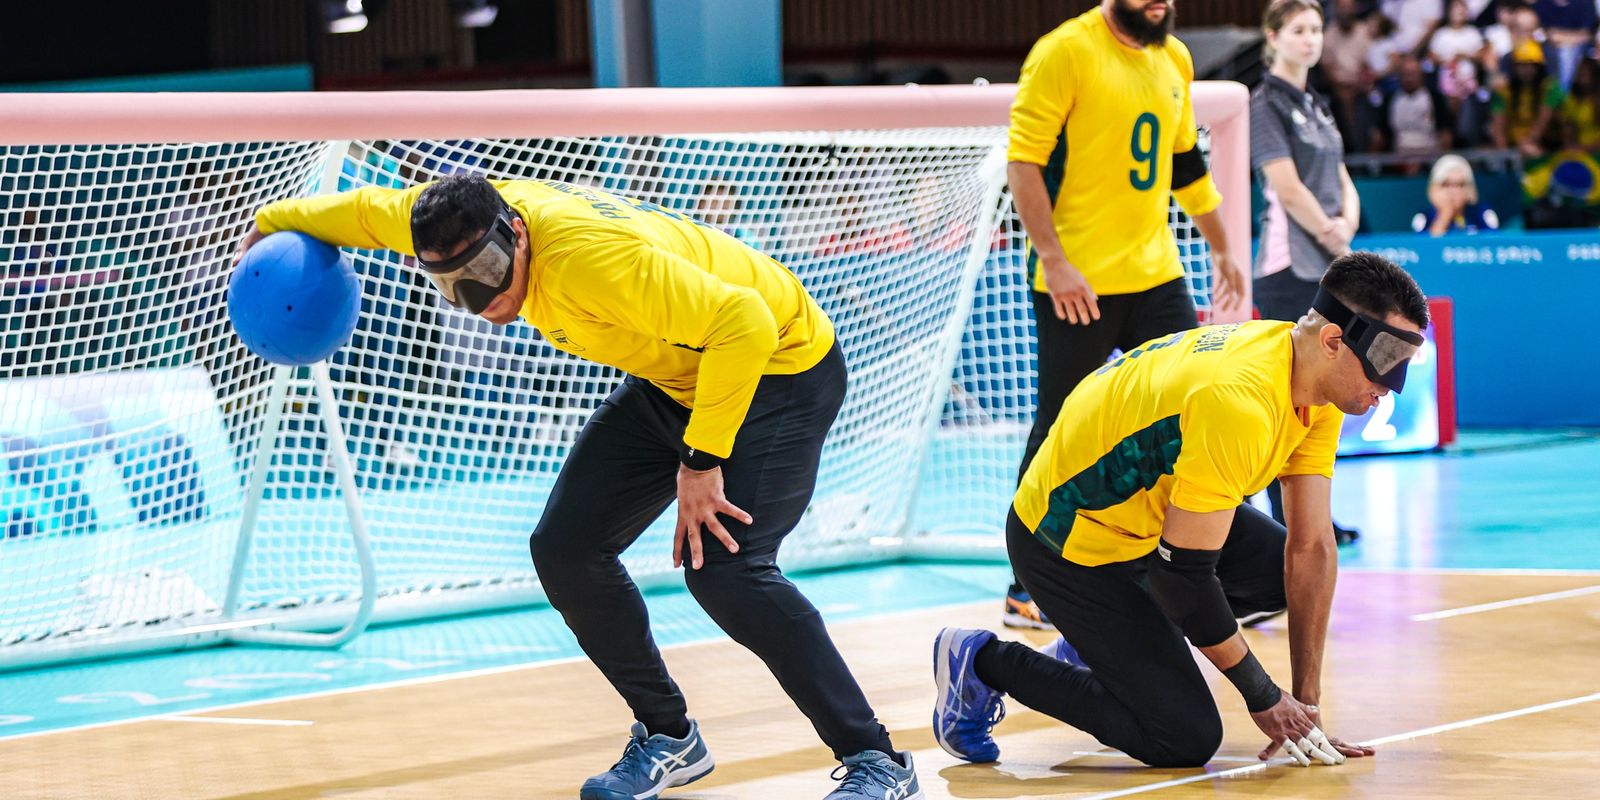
{"type": "Point", "coordinates": [133, 421]}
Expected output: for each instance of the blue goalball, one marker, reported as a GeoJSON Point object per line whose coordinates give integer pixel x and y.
{"type": "Point", "coordinates": [293, 299]}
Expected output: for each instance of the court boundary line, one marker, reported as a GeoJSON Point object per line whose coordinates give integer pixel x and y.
{"type": "Point", "coordinates": [529, 665]}
{"type": "Point", "coordinates": [423, 680]}
{"type": "Point", "coordinates": [1397, 737]}
{"type": "Point", "coordinates": [1499, 604]}
{"type": "Point", "coordinates": [282, 723]}
{"type": "Point", "coordinates": [1488, 571]}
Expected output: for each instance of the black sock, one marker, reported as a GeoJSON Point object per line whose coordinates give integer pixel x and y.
{"type": "Point", "coordinates": [988, 664]}
{"type": "Point", "coordinates": [675, 730]}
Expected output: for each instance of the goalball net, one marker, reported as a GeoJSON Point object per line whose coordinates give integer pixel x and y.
{"type": "Point", "coordinates": [162, 487]}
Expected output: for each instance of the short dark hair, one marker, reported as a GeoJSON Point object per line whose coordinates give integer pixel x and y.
{"type": "Point", "coordinates": [453, 210]}
{"type": "Point", "coordinates": [1373, 285]}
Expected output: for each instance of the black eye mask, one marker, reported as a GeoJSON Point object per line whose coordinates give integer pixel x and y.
{"type": "Point", "coordinates": [1383, 349]}
{"type": "Point", "coordinates": [473, 278]}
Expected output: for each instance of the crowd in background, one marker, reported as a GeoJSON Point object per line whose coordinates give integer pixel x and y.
{"type": "Point", "coordinates": [1419, 78]}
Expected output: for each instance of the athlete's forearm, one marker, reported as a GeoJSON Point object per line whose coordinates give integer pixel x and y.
{"type": "Point", "coordinates": [1033, 205]}
{"type": "Point", "coordinates": [741, 341]}
{"type": "Point", "coordinates": [1310, 571]}
{"type": "Point", "coordinates": [1350, 205]}
{"type": "Point", "coordinates": [371, 217]}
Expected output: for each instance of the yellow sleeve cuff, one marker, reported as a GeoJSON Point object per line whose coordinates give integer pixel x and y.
{"type": "Point", "coordinates": [1194, 497]}
{"type": "Point", "coordinates": [1199, 198]}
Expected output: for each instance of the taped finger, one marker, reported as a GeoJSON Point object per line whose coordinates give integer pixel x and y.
{"type": "Point", "coordinates": [1311, 750]}
{"type": "Point", "coordinates": [1320, 741]}
{"type": "Point", "coordinates": [1296, 753]}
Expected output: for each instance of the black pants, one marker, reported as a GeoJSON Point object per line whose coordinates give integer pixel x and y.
{"type": "Point", "coordinates": [1141, 691]}
{"type": "Point", "coordinates": [1286, 296]}
{"type": "Point", "coordinates": [620, 476]}
{"type": "Point", "coordinates": [1068, 352]}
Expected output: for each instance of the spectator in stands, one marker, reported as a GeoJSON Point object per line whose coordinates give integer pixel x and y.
{"type": "Point", "coordinates": [718, 206]}
{"type": "Point", "coordinates": [1455, 49]}
{"type": "Point", "coordinates": [1524, 103]}
{"type": "Point", "coordinates": [1385, 50]}
{"type": "Point", "coordinates": [1569, 25]}
{"type": "Point", "coordinates": [1453, 201]}
{"type": "Point", "coordinates": [1515, 23]}
{"type": "Point", "coordinates": [1345, 44]}
{"type": "Point", "coordinates": [864, 232]}
{"type": "Point", "coordinates": [1579, 112]}
{"type": "Point", "coordinates": [1413, 118]}
{"type": "Point", "coordinates": [1414, 20]}
{"type": "Point", "coordinates": [1312, 206]}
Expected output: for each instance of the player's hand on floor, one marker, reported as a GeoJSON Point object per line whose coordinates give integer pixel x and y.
{"type": "Point", "coordinates": [1290, 725]}
{"type": "Point", "coordinates": [1343, 748]}
{"type": "Point", "coordinates": [1229, 287]}
{"type": "Point", "coordinates": [1074, 301]}
{"type": "Point", "coordinates": [700, 500]}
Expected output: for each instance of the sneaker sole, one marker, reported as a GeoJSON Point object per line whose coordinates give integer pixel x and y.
{"type": "Point", "coordinates": [941, 681]}
{"type": "Point", "coordinates": [1014, 620]}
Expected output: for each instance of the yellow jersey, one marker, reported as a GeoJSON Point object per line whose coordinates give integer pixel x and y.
{"type": "Point", "coordinates": [1198, 420]}
{"type": "Point", "coordinates": [1113, 129]}
{"type": "Point", "coordinates": [625, 283]}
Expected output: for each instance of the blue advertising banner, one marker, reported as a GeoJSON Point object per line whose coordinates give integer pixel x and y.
{"type": "Point", "coordinates": [1523, 305]}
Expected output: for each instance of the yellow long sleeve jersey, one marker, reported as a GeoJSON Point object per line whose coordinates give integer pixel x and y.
{"type": "Point", "coordinates": [624, 283]}
{"type": "Point", "coordinates": [1113, 130]}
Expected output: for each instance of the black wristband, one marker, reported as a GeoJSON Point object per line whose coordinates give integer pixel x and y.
{"type": "Point", "coordinates": [1253, 683]}
{"type": "Point", "coordinates": [698, 460]}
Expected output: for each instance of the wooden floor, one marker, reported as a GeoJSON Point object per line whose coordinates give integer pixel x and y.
{"type": "Point", "coordinates": [1421, 688]}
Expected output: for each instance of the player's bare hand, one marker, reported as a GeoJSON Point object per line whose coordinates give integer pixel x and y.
{"type": "Point", "coordinates": [1343, 748]}
{"type": "Point", "coordinates": [1070, 294]}
{"type": "Point", "coordinates": [1229, 287]}
{"type": "Point", "coordinates": [700, 500]}
{"type": "Point", "coordinates": [1289, 725]}
{"type": "Point", "coordinates": [250, 238]}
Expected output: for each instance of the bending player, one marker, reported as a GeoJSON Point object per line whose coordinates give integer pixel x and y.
{"type": "Point", "coordinates": [734, 379]}
{"type": "Point", "coordinates": [1102, 135]}
{"type": "Point", "coordinates": [1130, 529]}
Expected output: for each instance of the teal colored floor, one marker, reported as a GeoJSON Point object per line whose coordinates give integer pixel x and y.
{"type": "Point", "coordinates": [1505, 500]}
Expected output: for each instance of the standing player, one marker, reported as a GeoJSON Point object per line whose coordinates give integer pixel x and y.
{"type": "Point", "coordinates": [734, 378]}
{"type": "Point", "coordinates": [1131, 530]}
{"type": "Point", "coordinates": [1102, 134]}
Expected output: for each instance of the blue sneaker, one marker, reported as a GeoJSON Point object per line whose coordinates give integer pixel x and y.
{"type": "Point", "coordinates": [967, 709]}
{"type": "Point", "coordinates": [650, 764]}
{"type": "Point", "coordinates": [873, 774]}
{"type": "Point", "coordinates": [1061, 651]}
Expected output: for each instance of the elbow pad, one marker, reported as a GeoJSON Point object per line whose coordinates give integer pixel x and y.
{"type": "Point", "coordinates": [1185, 585]}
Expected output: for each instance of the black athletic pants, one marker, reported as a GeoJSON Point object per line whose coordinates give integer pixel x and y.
{"type": "Point", "coordinates": [620, 476]}
{"type": "Point", "coordinates": [1141, 691]}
